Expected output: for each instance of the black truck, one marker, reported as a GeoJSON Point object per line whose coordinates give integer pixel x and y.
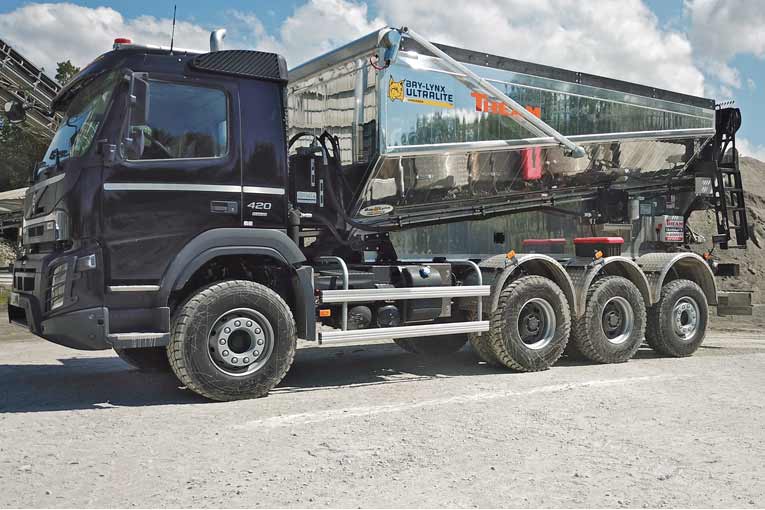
{"type": "Point", "coordinates": [204, 210]}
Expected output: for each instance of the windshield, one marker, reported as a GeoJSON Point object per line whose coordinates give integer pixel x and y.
{"type": "Point", "coordinates": [78, 128]}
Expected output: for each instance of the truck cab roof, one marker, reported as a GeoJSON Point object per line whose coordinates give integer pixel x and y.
{"type": "Point", "coordinates": [242, 63]}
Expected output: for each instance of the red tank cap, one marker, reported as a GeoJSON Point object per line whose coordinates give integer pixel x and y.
{"type": "Point", "coordinates": [533, 242]}
{"type": "Point", "coordinates": [598, 240]}
{"type": "Point", "coordinates": [123, 40]}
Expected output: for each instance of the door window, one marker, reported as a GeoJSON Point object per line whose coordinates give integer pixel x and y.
{"type": "Point", "coordinates": [181, 122]}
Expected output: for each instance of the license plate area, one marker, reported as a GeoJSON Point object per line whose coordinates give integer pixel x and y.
{"type": "Point", "coordinates": [14, 299]}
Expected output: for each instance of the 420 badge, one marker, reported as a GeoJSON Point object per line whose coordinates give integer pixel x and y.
{"type": "Point", "coordinates": [420, 92]}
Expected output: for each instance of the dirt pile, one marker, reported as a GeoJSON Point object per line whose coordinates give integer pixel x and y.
{"type": "Point", "coordinates": [751, 260]}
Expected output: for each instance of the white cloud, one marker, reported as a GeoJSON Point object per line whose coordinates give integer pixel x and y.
{"type": "Point", "coordinates": [720, 30]}
{"type": "Point", "coordinates": [48, 33]}
{"type": "Point", "coordinates": [746, 148]}
{"type": "Point", "coordinates": [615, 38]}
{"type": "Point", "coordinates": [314, 28]}
{"type": "Point", "coordinates": [609, 37]}
{"type": "Point", "coordinates": [630, 45]}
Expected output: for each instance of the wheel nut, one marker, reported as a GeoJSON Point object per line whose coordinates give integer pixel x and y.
{"type": "Point", "coordinates": [237, 323]}
{"type": "Point", "coordinates": [249, 324]}
{"type": "Point", "coordinates": [260, 341]}
{"type": "Point", "coordinates": [257, 331]}
{"type": "Point", "coordinates": [255, 353]}
{"type": "Point", "coordinates": [225, 353]}
{"type": "Point", "coordinates": [227, 330]}
{"type": "Point", "coordinates": [234, 359]}
{"type": "Point", "coordinates": [246, 360]}
{"type": "Point", "coordinates": [223, 341]}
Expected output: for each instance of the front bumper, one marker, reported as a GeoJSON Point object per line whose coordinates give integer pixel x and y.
{"type": "Point", "coordinates": [80, 329]}
{"type": "Point", "coordinates": [79, 319]}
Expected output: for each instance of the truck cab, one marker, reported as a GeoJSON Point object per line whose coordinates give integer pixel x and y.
{"type": "Point", "coordinates": [155, 148]}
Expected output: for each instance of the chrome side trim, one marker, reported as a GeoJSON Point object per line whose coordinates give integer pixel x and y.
{"type": "Point", "coordinates": [447, 328]}
{"type": "Point", "coordinates": [133, 288]}
{"type": "Point", "coordinates": [263, 190]}
{"type": "Point", "coordinates": [363, 295]}
{"type": "Point", "coordinates": [152, 186]}
{"type": "Point", "coordinates": [169, 186]}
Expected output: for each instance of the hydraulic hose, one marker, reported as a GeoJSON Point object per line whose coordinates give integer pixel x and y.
{"type": "Point", "coordinates": [336, 171]}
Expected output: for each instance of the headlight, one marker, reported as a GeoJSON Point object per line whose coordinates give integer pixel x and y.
{"type": "Point", "coordinates": [57, 286]}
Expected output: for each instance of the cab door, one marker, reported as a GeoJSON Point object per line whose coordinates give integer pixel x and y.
{"type": "Point", "coordinates": [264, 154]}
{"type": "Point", "coordinates": [178, 175]}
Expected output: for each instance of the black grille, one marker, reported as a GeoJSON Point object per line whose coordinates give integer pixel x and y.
{"type": "Point", "coordinates": [36, 231]}
{"type": "Point", "coordinates": [251, 64]}
{"type": "Point", "coordinates": [24, 282]}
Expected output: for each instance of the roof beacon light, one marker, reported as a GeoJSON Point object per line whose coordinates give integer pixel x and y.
{"type": "Point", "coordinates": [120, 41]}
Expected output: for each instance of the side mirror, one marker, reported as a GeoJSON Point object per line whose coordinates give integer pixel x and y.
{"type": "Point", "coordinates": [140, 114]}
{"type": "Point", "coordinates": [15, 112]}
{"type": "Point", "coordinates": [137, 110]}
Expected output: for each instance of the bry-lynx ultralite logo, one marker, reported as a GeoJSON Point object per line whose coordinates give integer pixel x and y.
{"type": "Point", "coordinates": [420, 92]}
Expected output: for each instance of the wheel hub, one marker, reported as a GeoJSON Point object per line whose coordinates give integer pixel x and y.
{"type": "Point", "coordinates": [240, 341]}
{"type": "Point", "coordinates": [685, 317]}
{"type": "Point", "coordinates": [536, 323]}
{"type": "Point", "coordinates": [617, 320]}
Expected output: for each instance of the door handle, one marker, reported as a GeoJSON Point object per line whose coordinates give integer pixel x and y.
{"type": "Point", "coordinates": [223, 207]}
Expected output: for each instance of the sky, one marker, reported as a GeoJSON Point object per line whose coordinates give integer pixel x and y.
{"type": "Point", "coordinates": [713, 48]}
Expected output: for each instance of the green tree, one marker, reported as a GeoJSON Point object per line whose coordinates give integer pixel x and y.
{"type": "Point", "coordinates": [65, 71]}
{"type": "Point", "coordinates": [20, 149]}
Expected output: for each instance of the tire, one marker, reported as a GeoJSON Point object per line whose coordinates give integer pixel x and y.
{"type": "Point", "coordinates": [531, 325]}
{"type": "Point", "coordinates": [433, 346]}
{"type": "Point", "coordinates": [613, 325]}
{"type": "Point", "coordinates": [147, 359]}
{"type": "Point", "coordinates": [572, 352]}
{"type": "Point", "coordinates": [480, 344]}
{"type": "Point", "coordinates": [663, 335]}
{"type": "Point", "coordinates": [232, 340]}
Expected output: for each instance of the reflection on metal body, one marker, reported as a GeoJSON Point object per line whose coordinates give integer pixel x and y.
{"type": "Point", "coordinates": [416, 134]}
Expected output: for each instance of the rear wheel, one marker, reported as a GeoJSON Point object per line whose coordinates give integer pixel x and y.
{"type": "Point", "coordinates": [233, 340]}
{"type": "Point", "coordinates": [440, 345]}
{"type": "Point", "coordinates": [147, 359]}
{"type": "Point", "coordinates": [613, 325]}
{"type": "Point", "coordinates": [531, 325]}
{"type": "Point", "coordinates": [677, 324]}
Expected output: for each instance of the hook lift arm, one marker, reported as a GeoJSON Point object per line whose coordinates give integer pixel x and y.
{"type": "Point", "coordinates": [527, 119]}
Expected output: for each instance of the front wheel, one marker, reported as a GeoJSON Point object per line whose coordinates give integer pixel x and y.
{"type": "Point", "coordinates": [233, 340]}
{"type": "Point", "coordinates": [677, 324]}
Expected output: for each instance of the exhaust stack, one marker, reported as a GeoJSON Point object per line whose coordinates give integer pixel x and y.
{"type": "Point", "coordinates": [216, 39]}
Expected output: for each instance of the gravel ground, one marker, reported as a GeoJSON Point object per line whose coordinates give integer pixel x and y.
{"type": "Point", "coordinates": [374, 426]}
